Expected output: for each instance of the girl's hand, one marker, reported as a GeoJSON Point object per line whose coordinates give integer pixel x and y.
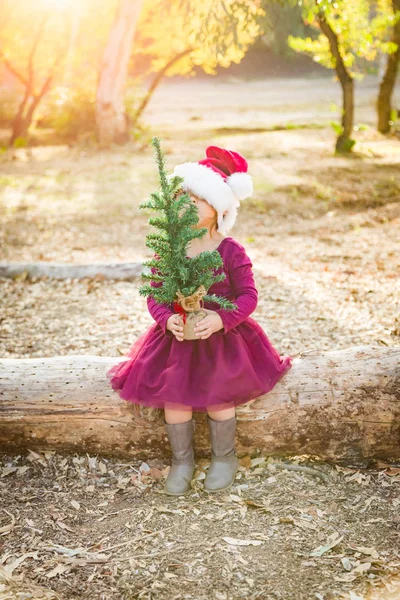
{"type": "Point", "coordinates": [175, 325]}
{"type": "Point", "coordinates": [208, 325]}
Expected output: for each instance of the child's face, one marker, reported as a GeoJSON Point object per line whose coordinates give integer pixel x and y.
{"type": "Point", "coordinates": [206, 211]}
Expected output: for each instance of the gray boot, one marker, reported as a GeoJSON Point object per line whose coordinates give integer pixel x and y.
{"type": "Point", "coordinates": [224, 462]}
{"type": "Point", "coordinates": [180, 437]}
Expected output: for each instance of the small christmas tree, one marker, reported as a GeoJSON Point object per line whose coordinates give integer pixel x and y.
{"type": "Point", "coordinates": [184, 281]}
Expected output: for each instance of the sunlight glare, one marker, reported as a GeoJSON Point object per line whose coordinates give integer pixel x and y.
{"type": "Point", "coordinates": [57, 4]}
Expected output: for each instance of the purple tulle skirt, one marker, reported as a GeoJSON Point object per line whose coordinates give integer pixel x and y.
{"type": "Point", "coordinates": [219, 372]}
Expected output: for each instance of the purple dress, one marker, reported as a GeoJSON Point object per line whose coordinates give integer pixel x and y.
{"type": "Point", "coordinates": [232, 366]}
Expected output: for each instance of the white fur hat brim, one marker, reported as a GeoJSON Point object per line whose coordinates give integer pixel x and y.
{"type": "Point", "coordinates": [223, 195]}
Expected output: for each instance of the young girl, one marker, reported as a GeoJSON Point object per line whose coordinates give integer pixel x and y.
{"type": "Point", "coordinates": [231, 362]}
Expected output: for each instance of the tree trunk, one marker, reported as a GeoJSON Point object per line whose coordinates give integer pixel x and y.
{"type": "Point", "coordinates": [156, 81]}
{"type": "Point", "coordinates": [111, 120]}
{"type": "Point", "coordinates": [341, 405]}
{"type": "Point", "coordinates": [22, 122]}
{"type": "Point", "coordinates": [388, 82]}
{"type": "Point", "coordinates": [19, 125]}
{"type": "Point", "coordinates": [344, 143]}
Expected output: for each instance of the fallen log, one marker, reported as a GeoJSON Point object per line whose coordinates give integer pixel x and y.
{"type": "Point", "coordinates": [122, 270]}
{"type": "Point", "coordinates": [342, 406]}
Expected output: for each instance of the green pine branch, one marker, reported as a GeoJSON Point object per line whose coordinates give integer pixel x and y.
{"type": "Point", "coordinates": [171, 269]}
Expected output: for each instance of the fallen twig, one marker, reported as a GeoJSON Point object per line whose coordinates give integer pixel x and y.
{"type": "Point", "coordinates": [301, 469]}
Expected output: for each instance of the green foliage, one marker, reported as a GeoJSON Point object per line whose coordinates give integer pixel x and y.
{"type": "Point", "coordinates": [20, 142]}
{"type": "Point", "coordinates": [361, 31]}
{"type": "Point", "coordinates": [70, 112]}
{"type": "Point", "coordinates": [281, 20]}
{"type": "Point", "coordinates": [394, 118]}
{"type": "Point", "coordinates": [171, 267]}
{"type": "Point", "coordinates": [189, 34]}
{"type": "Point", "coordinates": [337, 127]}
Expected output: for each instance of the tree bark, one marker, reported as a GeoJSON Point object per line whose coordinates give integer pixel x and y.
{"type": "Point", "coordinates": [111, 119]}
{"type": "Point", "coordinates": [22, 122]}
{"type": "Point", "coordinates": [344, 143]}
{"type": "Point", "coordinates": [388, 82]}
{"type": "Point", "coordinates": [343, 406]}
{"type": "Point", "coordinates": [157, 80]}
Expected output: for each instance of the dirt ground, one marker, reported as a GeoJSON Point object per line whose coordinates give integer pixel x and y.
{"type": "Point", "coordinates": [323, 234]}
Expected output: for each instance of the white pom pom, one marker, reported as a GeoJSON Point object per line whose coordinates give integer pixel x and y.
{"type": "Point", "coordinates": [241, 185]}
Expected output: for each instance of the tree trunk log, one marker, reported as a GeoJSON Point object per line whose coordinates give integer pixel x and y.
{"type": "Point", "coordinates": [123, 270]}
{"type": "Point", "coordinates": [343, 406]}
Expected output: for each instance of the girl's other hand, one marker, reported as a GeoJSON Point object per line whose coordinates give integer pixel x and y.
{"type": "Point", "coordinates": [211, 323]}
{"type": "Point", "coordinates": [175, 325]}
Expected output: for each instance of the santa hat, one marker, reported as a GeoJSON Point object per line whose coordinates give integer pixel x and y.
{"type": "Point", "coordinates": [221, 179]}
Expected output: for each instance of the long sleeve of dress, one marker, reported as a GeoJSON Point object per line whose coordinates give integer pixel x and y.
{"type": "Point", "coordinates": [159, 312]}
{"type": "Point", "coordinates": [246, 294]}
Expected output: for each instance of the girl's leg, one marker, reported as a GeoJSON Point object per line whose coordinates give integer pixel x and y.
{"type": "Point", "coordinates": [177, 415]}
{"type": "Point", "coordinates": [180, 426]}
{"type": "Point", "coordinates": [222, 415]}
{"type": "Point", "coordinates": [224, 462]}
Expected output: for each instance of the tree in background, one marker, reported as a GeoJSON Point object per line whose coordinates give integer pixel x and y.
{"type": "Point", "coordinates": [111, 122]}
{"type": "Point", "coordinates": [345, 37]}
{"type": "Point", "coordinates": [388, 19]}
{"type": "Point", "coordinates": [352, 33]}
{"type": "Point", "coordinates": [88, 87]}
{"type": "Point", "coordinates": [76, 30]}
{"type": "Point", "coordinates": [34, 44]}
{"type": "Point", "coordinates": [206, 34]}
{"type": "Point", "coordinates": [282, 19]}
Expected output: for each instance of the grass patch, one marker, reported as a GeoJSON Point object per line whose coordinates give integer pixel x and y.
{"type": "Point", "coordinates": [278, 127]}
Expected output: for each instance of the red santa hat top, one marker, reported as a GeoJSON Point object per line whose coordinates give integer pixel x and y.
{"type": "Point", "coordinates": [221, 179]}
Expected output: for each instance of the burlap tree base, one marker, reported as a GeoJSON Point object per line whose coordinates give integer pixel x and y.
{"type": "Point", "coordinates": [191, 311]}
